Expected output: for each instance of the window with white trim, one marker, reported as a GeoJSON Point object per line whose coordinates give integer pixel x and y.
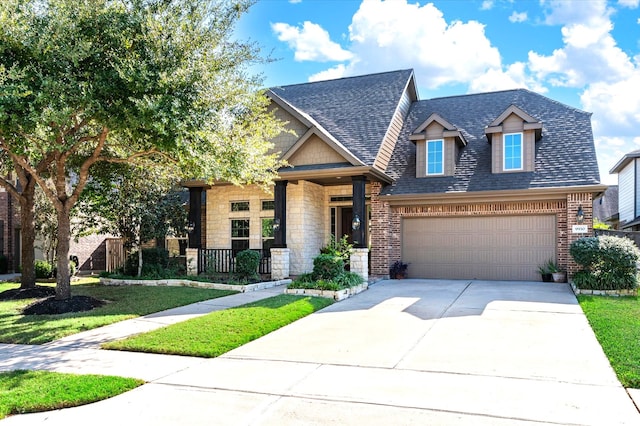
{"type": "Point", "coordinates": [435, 157]}
{"type": "Point", "coordinates": [512, 151]}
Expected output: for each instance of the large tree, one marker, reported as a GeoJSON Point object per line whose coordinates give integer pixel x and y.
{"type": "Point", "coordinates": [90, 81]}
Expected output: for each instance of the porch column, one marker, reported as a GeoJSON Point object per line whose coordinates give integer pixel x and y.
{"type": "Point", "coordinates": [360, 263]}
{"type": "Point", "coordinates": [359, 211]}
{"type": "Point", "coordinates": [280, 214]}
{"type": "Point", "coordinates": [192, 261]}
{"type": "Point", "coordinates": [279, 263]}
{"type": "Point", "coordinates": [195, 217]}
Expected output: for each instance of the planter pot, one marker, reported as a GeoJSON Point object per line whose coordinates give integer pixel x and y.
{"type": "Point", "coordinates": [559, 277]}
{"type": "Point", "coordinates": [400, 276]}
{"type": "Point", "coordinates": [547, 278]}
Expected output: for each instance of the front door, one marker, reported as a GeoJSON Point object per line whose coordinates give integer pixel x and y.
{"type": "Point", "coordinates": [346, 216]}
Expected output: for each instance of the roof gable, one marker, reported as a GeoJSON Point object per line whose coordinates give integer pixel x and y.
{"type": "Point", "coordinates": [564, 156]}
{"type": "Point", "coordinates": [354, 113]}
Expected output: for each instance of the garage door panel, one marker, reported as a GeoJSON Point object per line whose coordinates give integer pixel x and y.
{"type": "Point", "coordinates": [507, 248]}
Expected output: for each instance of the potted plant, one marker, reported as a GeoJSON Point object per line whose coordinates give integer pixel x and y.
{"type": "Point", "coordinates": [558, 273]}
{"type": "Point", "coordinates": [545, 271]}
{"type": "Point", "coordinates": [398, 270]}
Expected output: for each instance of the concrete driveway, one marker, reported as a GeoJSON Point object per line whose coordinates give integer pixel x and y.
{"type": "Point", "coordinates": [426, 352]}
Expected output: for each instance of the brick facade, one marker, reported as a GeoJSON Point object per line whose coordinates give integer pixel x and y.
{"type": "Point", "coordinates": [10, 222]}
{"type": "Point", "coordinates": [386, 226]}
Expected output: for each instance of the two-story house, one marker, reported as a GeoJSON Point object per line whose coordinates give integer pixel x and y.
{"type": "Point", "coordinates": [479, 186]}
{"type": "Point", "coordinates": [628, 171]}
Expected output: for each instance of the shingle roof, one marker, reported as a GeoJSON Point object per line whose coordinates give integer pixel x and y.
{"type": "Point", "coordinates": [357, 111]}
{"type": "Point", "coordinates": [565, 156]}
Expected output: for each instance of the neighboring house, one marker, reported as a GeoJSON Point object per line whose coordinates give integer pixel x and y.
{"type": "Point", "coordinates": [481, 186]}
{"type": "Point", "coordinates": [628, 171]}
{"type": "Point", "coordinates": [605, 207]}
{"type": "Point", "coordinates": [9, 230]}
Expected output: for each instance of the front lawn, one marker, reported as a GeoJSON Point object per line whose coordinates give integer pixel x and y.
{"type": "Point", "coordinates": [34, 391]}
{"type": "Point", "coordinates": [123, 302]}
{"type": "Point", "coordinates": [616, 323]}
{"type": "Point", "coordinates": [218, 332]}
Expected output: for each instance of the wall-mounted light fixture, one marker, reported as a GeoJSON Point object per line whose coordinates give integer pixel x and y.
{"type": "Point", "coordinates": [276, 224]}
{"type": "Point", "coordinates": [580, 215]}
{"type": "Point", "coordinates": [355, 223]}
{"type": "Point", "coordinates": [190, 227]}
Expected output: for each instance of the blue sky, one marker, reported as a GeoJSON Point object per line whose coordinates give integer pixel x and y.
{"type": "Point", "coordinates": [585, 53]}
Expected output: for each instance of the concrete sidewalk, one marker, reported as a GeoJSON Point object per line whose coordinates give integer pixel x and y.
{"type": "Point", "coordinates": [403, 352]}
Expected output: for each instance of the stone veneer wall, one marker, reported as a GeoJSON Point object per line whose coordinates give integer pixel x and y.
{"type": "Point", "coordinates": [218, 215]}
{"type": "Point", "coordinates": [306, 216]}
{"type": "Point", "coordinates": [387, 220]}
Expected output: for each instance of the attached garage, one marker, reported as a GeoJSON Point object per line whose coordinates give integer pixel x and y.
{"type": "Point", "coordinates": [485, 247]}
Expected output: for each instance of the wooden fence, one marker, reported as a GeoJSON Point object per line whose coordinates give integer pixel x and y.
{"type": "Point", "coordinates": [115, 254]}
{"type": "Point", "coordinates": [224, 261]}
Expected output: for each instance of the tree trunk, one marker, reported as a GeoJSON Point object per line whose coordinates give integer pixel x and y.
{"type": "Point", "coordinates": [63, 278]}
{"type": "Point", "coordinates": [28, 235]}
{"type": "Point", "coordinates": [139, 260]}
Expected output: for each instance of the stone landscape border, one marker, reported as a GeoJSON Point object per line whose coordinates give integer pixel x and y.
{"type": "Point", "coordinates": [615, 293]}
{"type": "Point", "coordinates": [197, 284]}
{"type": "Point", "coordinates": [330, 294]}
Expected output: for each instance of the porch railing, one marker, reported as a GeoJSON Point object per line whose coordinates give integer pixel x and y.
{"type": "Point", "coordinates": [223, 261]}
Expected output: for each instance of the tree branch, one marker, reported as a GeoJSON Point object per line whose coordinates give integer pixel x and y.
{"type": "Point", "coordinates": [83, 174]}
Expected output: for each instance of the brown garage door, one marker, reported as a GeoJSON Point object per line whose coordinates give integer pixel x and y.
{"type": "Point", "coordinates": [492, 248]}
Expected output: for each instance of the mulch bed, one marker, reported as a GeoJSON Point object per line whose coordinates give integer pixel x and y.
{"type": "Point", "coordinates": [37, 292]}
{"type": "Point", "coordinates": [51, 306]}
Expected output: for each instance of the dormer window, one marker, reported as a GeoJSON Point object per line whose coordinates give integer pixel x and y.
{"type": "Point", "coordinates": [512, 152]}
{"type": "Point", "coordinates": [437, 145]}
{"type": "Point", "coordinates": [513, 136]}
{"type": "Point", "coordinates": [435, 158]}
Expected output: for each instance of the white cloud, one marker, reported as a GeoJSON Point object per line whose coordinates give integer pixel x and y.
{"type": "Point", "coordinates": [338, 71]}
{"type": "Point", "coordinates": [564, 12]}
{"type": "Point", "coordinates": [616, 111]}
{"type": "Point", "coordinates": [310, 42]}
{"type": "Point", "coordinates": [518, 17]}
{"type": "Point", "coordinates": [590, 53]}
{"type": "Point", "coordinates": [487, 5]}
{"type": "Point", "coordinates": [396, 34]}
{"type": "Point", "coordinates": [610, 150]}
{"type": "Point", "coordinates": [631, 4]}
{"type": "Point", "coordinates": [514, 77]}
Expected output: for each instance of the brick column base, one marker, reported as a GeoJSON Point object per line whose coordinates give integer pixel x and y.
{"type": "Point", "coordinates": [279, 263]}
{"type": "Point", "coordinates": [192, 261]}
{"type": "Point", "coordinates": [360, 262]}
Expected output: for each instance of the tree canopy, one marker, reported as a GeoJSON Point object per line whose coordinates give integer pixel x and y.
{"type": "Point", "coordinates": [146, 82]}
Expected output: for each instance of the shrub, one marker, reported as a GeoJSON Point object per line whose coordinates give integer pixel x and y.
{"type": "Point", "coordinates": [154, 261]}
{"type": "Point", "coordinates": [327, 267]}
{"type": "Point", "coordinates": [247, 262]}
{"type": "Point", "coordinates": [43, 269]}
{"type": "Point", "coordinates": [608, 263]}
{"type": "Point", "coordinates": [349, 279]}
{"type": "Point", "coordinates": [339, 248]}
{"type": "Point", "coordinates": [4, 264]}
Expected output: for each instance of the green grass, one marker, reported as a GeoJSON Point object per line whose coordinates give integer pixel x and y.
{"type": "Point", "coordinates": [616, 323]}
{"type": "Point", "coordinates": [34, 391]}
{"type": "Point", "coordinates": [123, 302]}
{"type": "Point", "coordinates": [219, 332]}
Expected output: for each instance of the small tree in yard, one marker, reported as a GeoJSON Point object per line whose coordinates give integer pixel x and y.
{"type": "Point", "coordinates": [128, 81]}
{"type": "Point", "coordinates": [135, 203]}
